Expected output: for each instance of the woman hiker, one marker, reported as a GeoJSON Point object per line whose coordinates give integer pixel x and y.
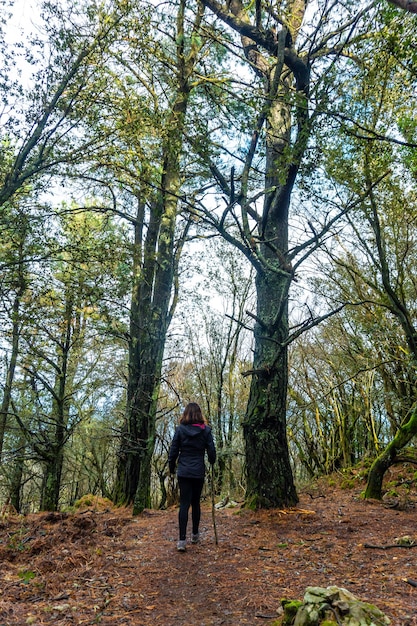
{"type": "Point", "coordinates": [191, 440]}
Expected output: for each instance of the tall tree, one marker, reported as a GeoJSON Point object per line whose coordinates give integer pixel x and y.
{"type": "Point", "coordinates": [265, 242]}
{"type": "Point", "coordinates": [158, 240]}
{"type": "Point", "coordinates": [281, 53]}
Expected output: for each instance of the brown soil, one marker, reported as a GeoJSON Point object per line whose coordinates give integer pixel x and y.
{"type": "Point", "coordinates": [102, 566]}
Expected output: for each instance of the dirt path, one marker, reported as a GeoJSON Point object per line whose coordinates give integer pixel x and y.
{"type": "Point", "coordinates": [105, 567]}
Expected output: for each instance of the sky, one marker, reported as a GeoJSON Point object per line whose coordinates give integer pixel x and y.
{"type": "Point", "coordinates": [24, 12]}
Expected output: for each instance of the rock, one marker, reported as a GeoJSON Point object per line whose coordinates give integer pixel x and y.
{"type": "Point", "coordinates": [318, 595]}
{"type": "Point", "coordinates": [342, 594]}
{"type": "Point", "coordinates": [342, 606]}
{"type": "Point", "coordinates": [307, 615]}
{"type": "Point", "coordinates": [366, 614]}
{"type": "Point", "coordinates": [332, 605]}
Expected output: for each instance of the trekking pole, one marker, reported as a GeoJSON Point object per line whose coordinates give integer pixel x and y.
{"type": "Point", "coordinates": [213, 510]}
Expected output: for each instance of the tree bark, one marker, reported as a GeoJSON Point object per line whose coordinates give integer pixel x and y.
{"type": "Point", "coordinates": [7, 395]}
{"type": "Point", "coordinates": [15, 488]}
{"type": "Point", "coordinates": [16, 322]}
{"type": "Point", "coordinates": [268, 470]}
{"type": "Point", "coordinates": [404, 435]}
{"type": "Point", "coordinates": [51, 481]}
{"type": "Point", "coordinates": [149, 321]}
{"type": "Point", "coordinates": [53, 455]}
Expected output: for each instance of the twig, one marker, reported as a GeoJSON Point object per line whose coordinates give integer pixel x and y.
{"type": "Point", "coordinates": [213, 513]}
{"type": "Point", "coordinates": [391, 545]}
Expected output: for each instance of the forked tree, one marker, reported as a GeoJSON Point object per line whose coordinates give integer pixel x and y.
{"type": "Point", "coordinates": [281, 48]}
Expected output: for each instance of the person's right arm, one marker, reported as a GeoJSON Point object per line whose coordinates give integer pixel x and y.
{"type": "Point", "coordinates": [174, 451]}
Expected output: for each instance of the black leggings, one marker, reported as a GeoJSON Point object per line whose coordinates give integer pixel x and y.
{"type": "Point", "coordinates": [190, 493]}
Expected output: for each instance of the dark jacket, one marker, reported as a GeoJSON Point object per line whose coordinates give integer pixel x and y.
{"type": "Point", "coordinates": [189, 445]}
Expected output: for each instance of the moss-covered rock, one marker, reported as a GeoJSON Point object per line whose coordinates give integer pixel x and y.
{"type": "Point", "coordinates": [332, 605]}
{"type": "Point", "coordinates": [290, 611]}
{"type": "Point", "coordinates": [308, 615]}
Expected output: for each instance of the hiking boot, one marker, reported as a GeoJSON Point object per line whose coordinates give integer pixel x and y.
{"type": "Point", "coordinates": [195, 537]}
{"type": "Point", "coordinates": [181, 545]}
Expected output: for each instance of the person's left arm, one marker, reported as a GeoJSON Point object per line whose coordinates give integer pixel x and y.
{"type": "Point", "coordinates": [210, 447]}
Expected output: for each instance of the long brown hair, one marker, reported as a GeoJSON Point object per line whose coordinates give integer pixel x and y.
{"type": "Point", "coordinates": [192, 414]}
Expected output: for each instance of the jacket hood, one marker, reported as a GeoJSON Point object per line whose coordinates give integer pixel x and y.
{"type": "Point", "coordinates": [193, 429]}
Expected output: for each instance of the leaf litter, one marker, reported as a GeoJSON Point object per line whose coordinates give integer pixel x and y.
{"type": "Point", "coordinates": [101, 565]}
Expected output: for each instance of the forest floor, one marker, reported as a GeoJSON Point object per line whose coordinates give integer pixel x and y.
{"type": "Point", "coordinates": [100, 565]}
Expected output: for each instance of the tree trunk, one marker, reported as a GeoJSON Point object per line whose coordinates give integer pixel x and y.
{"type": "Point", "coordinates": [269, 474]}
{"type": "Point", "coordinates": [51, 482]}
{"type": "Point", "coordinates": [403, 312]}
{"type": "Point", "coordinates": [53, 455]}
{"type": "Point", "coordinates": [149, 322]}
{"type": "Point", "coordinates": [7, 395]}
{"type": "Point", "coordinates": [404, 435]}
{"type": "Point", "coordinates": [15, 488]}
{"type": "Point", "coordinates": [162, 475]}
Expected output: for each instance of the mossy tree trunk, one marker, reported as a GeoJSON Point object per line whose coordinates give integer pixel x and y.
{"type": "Point", "coordinates": [150, 315]}
{"type": "Point", "coordinates": [15, 488]}
{"type": "Point", "coordinates": [395, 296]}
{"type": "Point", "coordinates": [269, 474]}
{"type": "Point", "coordinates": [388, 457]}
